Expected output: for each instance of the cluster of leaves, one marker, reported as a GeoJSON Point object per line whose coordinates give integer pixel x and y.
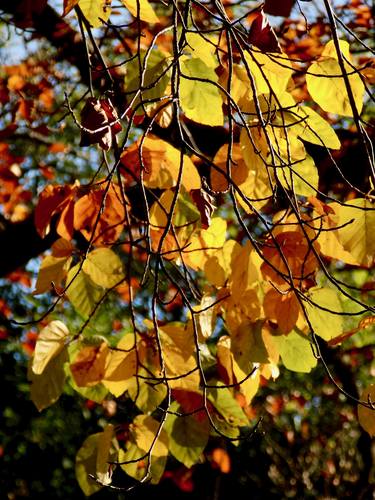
{"type": "Point", "coordinates": [219, 261]}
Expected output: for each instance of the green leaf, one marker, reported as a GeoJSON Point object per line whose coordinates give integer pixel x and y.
{"type": "Point", "coordinates": [324, 323]}
{"type": "Point", "coordinates": [104, 267]}
{"type": "Point", "coordinates": [187, 436]}
{"type": "Point", "coordinates": [47, 387]}
{"type": "Point", "coordinates": [51, 341]}
{"type": "Point", "coordinates": [295, 351]}
{"type": "Point", "coordinates": [302, 178]}
{"type": "Point", "coordinates": [147, 396]}
{"type": "Point", "coordinates": [156, 75]}
{"type": "Point", "coordinates": [83, 293]}
{"type": "Point", "coordinates": [95, 9]}
{"type": "Point", "coordinates": [199, 97]}
{"type": "Point", "coordinates": [227, 406]}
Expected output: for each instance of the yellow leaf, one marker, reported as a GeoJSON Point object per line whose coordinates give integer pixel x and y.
{"type": "Point", "coordinates": [324, 323]}
{"type": "Point", "coordinates": [121, 366]}
{"type": "Point", "coordinates": [88, 367]}
{"type": "Point", "coordinates": [160, 165]}
{"type": "Point", "coordinates": [271, 72]}
{"type": "Point", "coordinates": [144, 430]}
{"type": "Point", "coordinates": [52, 269]}
{"type": "Point", "coordinates": [200, 100]}
{"type": "Point", "coordinates": [356, 223]}
{"type": "Point", "coordinates": [218, 267]}
{"type": "Point", "coordinates": [51, 341]}
{"type": "Point", "coordinates": [145, 13]}
{"type": "Point", "coordinates": [302, 178]}
{"type": "Point", "coordinates": [95, 9]}
{"type": "Point", "coordinates": [179, 355]}
{"type": "Point", "coordinates": [315, 129]}
{"type": "Point", "coordinates": [103, 455]}
{"type": "Point", "coordinates": [366, 416]}
{"type": "Point", "coordinates": [82, 293]}
{"type": "Point", "coordinates": [326, 84]}
{"type": "Point", "coordinates": [104, 267]}
{"type": "Point", "coordinates": [202, 47]}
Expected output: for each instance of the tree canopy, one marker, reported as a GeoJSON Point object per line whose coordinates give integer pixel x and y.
{"type": "Point", "coordinates": [191, 188]}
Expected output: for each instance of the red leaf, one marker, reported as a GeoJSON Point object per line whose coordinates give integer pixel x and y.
{"type": "Point", "coordinates": [262, 35]}
{"type": "Point", "coordinates": [277, 8]}
{"type": "Point", "coordinates": [205, 204]}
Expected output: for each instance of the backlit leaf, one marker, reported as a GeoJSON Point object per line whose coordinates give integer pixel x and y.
{"type": "Point", "coordinates": [52, 269]}
{"type": "Point", "coordinates": [83, 293]}
{"type": "Point", "coordinates": [104, 267]}
{"type": "Point", "coordinates": [197, 96]}
{"type": "Point", "coordinates": [95, 9]}
{"type": "Point", "coordinates": [145, 12]}
{"type": "Point", "coordinates": [187, 436]}
{"type": "Point", "coordinates": [366, 416]}
{"type": "Point", "coordinates": [326, 84]}
{"type": "Point", "coordinates": [295, 351]}
{"type": "Point", "coordinates": [324, 323]}
{"type": "Point", "coordinates": [88, 366]}
{"type": "Point", "coordinates": [47, 387]}
{"type": "Point", "coordinates": [51, 341]}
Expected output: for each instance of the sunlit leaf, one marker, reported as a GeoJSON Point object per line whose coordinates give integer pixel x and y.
{"type": "Point", "coordinates": [187, 436]}
{"type": "Point", "coordinates": [88, 366]}
{"type": "Point", "coordinates": [95, 10]}
{"type": "Point", "coordinates": [51, 341]}
{"type": "Point", "coordinates": [324, 323]}
{"type": "Point", "coordinates": [145, 12]}
{"type": "Point", "coordinates": [198, 94]}
{"type": "Point", "coordinates": [52, 270]}
{"type": "Point", "coordinates": [82, 293]}
{"type": "Point", "coordinates": [366, 416]}
{"type": "Point", "coordinates": [104, 267]}
{"type": "Point", "coordinates": [295, 351]}
{"type": "Point", "coordinates": [326, 84]}
{"type": "Point", "coordinates": [47, 387]}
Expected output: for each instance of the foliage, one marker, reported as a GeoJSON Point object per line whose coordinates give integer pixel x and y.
{"type": "Point", "coordinates": [203, 234]}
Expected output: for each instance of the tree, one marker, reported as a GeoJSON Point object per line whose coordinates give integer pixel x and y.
{"type": "Point", "coordinates": [203, 232]}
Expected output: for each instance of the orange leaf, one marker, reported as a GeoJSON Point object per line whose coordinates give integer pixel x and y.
{"type": "Point", "coordinates": [89, 365]}
{"type": "Point", "coordinates": [221, 460]}
{"type": "Point", "coordinates": [52, 200]}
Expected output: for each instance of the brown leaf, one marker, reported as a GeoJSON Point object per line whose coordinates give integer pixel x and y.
{"type": "Point", "coordinates": [98, 117]}
{"type": "Point", "coordinates": [262, 35]}
{"type": "Point", "coordinates": [89, 365]}
{"type": "Point", "coordinates": [205, 204]}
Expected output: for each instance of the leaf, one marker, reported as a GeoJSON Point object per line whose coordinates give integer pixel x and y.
{"type": "Point", "coordinates": [69, 5]}
{"type": "Point", "coordinates": [326, 84]}
{"type": "Point", "coordinates": [295, 351]}
{"type": "Point", "coordinates": [100, 121]}
{"type": "Point", "coordinates": [160, 165]}
{"type": "Point", "coordinates": [104, 267]}
{"type": "Point", "coordinates": [88, 366]}
{"type": "Point", "coordinates": [356, 233]}
{"type": "Point", "coordinates": [271, 72]}
{"type": "Point", "coordinates": [188, 437]}
{"type": "Point", "coordinates": [121, 366]}
{"type": "Point", "coordinates": [366, 416]}
{"type": "Point", "coordinates": [52, 269]}
{"type": "Point", "coordinates": [100, 214]}
{"type": "Point", "coordinates": [47, 387]}
{"type": "Point", "coordinates": [202, 47]}
{"type": "Point", "coordinates": [179, 355]}
{"type": "Point", "coordinates": [92, 459]}
{"type": "Point", "coordinates": [197, 96]}
{"type": "Point", "coordinates": [324, 323]}
{"type": "Point", "coordinates": [143, 432]}
{"type": "Point", "coordinates": [145, 13]}
{"type": "Point", "coordinates": [262, 35]}
{"type": "Point", "coordinates": [315, 129]}
{"type": "Point", "coordinates": [147, 396]}
{"type": "Point", "coordinates": [82, 293]}
{"type": "Point", "coordinates": [205, 204]}
{"type": "Point", "coordinates": [95, 9]}
{"type": "Point", "coordinates": [227, 406]}
{"type": "Point", "coordinates": [103, 468]}
{"type": "Point", "coordinates": [52, 200]}
{"type": "Point", "coordinates": [51, 341]}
